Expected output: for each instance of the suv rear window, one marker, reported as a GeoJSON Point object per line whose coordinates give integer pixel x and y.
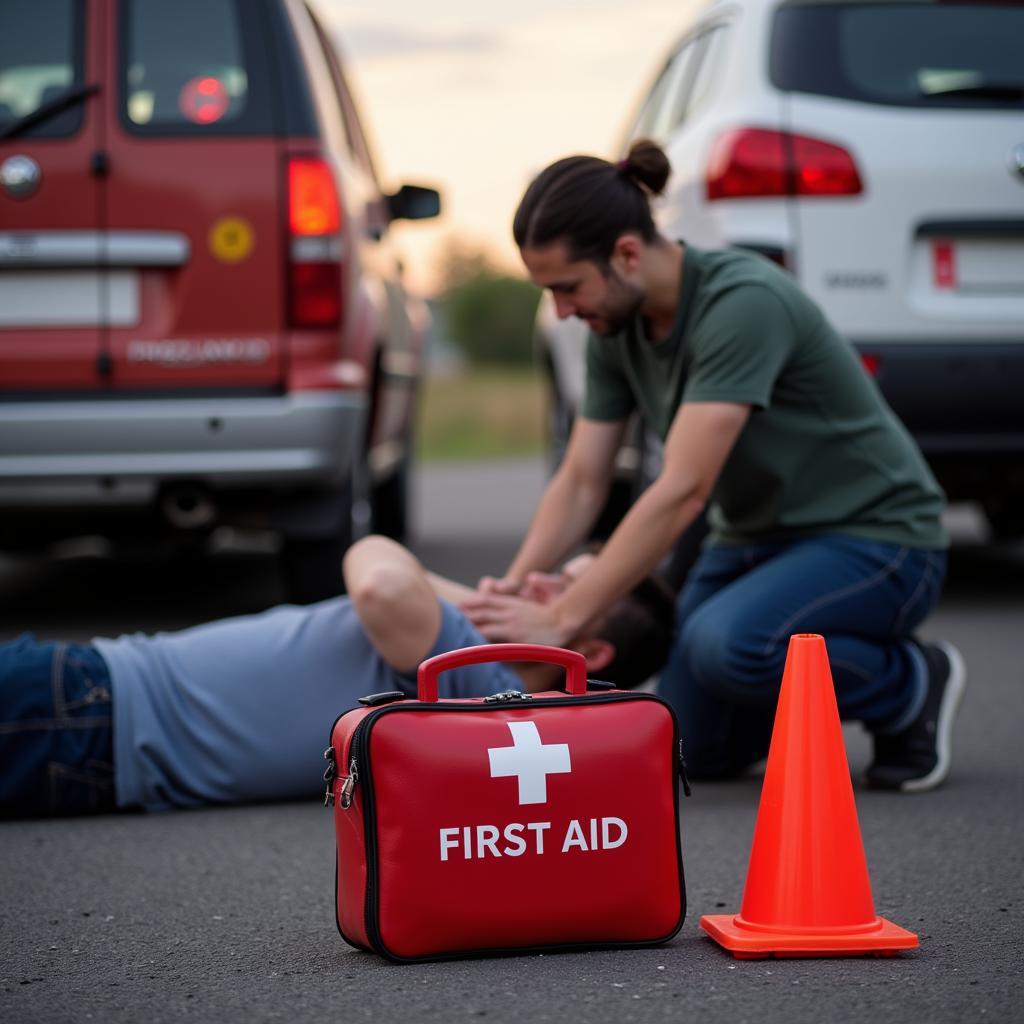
{"type": "Point", "coordinates": [192, 67]}
{"type": "Point", "coordinates": [913, 55]}
{"type": "Point", "coordinates": [40, 60]}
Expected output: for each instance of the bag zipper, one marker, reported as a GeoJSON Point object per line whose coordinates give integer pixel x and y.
{"type": "Point", "coordinates": [359, 771]}
{"type": "Point", "coordinates": [508, 697]}
{"type": "Point", "coordinates": [345, 798]}
{"type": "Point", "coordinates": [330, 774]}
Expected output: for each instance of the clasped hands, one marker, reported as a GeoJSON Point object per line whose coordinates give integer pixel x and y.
{"type": "Point", "coordinates": [506, 610]}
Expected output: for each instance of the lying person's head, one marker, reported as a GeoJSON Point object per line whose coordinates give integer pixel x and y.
{"type": "Point", "coordinates": [628, 643]}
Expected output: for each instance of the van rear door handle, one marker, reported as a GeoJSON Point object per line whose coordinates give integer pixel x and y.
{"type": "Point", "coordinates": [93, 248]}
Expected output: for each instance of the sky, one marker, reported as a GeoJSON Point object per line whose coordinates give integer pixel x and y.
{"type": "Point", "coordinates": [475, 98]}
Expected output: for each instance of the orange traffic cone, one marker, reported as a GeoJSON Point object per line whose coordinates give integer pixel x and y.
{"type": "Point", "coordinates": [807, 891]}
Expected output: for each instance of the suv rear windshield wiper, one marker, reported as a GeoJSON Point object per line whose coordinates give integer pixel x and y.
{"type": "Point", "coordinates": [49, 109]}
{"type": "Point", "coordinates": [990, 91]}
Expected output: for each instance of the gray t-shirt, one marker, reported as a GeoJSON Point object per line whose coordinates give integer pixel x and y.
{"type": "Point", "coordinates": [241, 709]}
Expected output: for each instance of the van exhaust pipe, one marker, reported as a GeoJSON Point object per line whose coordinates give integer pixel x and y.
{"type": "Point", "coordinates": [188, 507]}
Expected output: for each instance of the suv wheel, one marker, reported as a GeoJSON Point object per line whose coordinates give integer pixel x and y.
{"type": "Point", "coordinates": [1005, 515]}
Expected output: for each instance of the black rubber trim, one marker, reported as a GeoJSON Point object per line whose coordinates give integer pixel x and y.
{"type": "Point", "coordinates": [1006, 227]}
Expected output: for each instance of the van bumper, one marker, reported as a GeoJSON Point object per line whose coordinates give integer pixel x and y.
{"type": "Point", "coordinates": [96, 453]}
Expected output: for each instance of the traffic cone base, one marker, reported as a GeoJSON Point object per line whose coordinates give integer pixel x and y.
{"type": "Point", "coordinates": [744, 941]}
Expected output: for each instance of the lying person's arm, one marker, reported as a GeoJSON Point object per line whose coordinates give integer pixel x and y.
{"type": "Point", "coordinates": [394, 600]}
{"type": "Point", "coordinates": [448, 589]}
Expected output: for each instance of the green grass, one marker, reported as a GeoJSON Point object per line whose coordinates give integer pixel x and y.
{"type": "Point", "coordinates": [482, 414]}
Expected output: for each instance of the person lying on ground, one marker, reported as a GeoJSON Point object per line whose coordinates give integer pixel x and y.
{"type": "Point", "coordinates": [240, 709]}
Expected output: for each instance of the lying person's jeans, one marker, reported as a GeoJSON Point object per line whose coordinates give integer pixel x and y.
{"type": "Point", "coordinates": [56, 738]}
{"type": "Point", "coordinates": [738, 609]}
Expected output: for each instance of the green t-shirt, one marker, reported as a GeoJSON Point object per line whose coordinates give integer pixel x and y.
{"type": "Point", "coordinates": [821, 453]}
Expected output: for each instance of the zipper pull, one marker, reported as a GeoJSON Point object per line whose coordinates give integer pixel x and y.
{"type": "Point", "coordinates": [347, 787]}
{"type": "Point", "coordinates": [507, 697]}
{"type": "Point", "coordinates": [682, 772]}
{"type": "Point", "coordinates": [330, 773]}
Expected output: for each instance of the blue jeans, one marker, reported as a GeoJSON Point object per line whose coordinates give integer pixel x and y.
{"type": "Point", "coordinates": [56, 736]}
{"type": "Point", "coordinates": [741, 604]}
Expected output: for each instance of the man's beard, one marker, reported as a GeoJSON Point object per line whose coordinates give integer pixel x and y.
{"type": "Point", "coordinates": [620, 307]}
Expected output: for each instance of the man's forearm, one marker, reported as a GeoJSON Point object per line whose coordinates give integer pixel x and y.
{"type": "Point", "coordinates": [567, 511]}
{"type": "Point", "coordinates": [698, 444]}
{"type": "Point", "coordinates": [652, 525]}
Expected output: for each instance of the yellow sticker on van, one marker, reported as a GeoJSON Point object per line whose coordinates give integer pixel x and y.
{"type": "Point", "coordinates": [231, 239]}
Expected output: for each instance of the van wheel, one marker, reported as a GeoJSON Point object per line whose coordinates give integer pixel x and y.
{"type": "Point", "coordinates": [391, 503]}
{"type": "Point", "coordinates": [311, 564]}
{"type": "Point", "coordinates": [311, 569]}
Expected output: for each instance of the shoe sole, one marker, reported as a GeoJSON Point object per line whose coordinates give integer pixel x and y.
{"type": "Point", "coordinates": [956, 683]}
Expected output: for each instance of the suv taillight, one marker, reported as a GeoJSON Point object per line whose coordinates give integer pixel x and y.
{"type": "Point", "coordinates": [755, 162]}
{"type": "Point", "coordinates": [315, 244]}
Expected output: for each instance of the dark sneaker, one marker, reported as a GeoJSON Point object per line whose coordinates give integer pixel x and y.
{"type": "Point", "coordinates": [918, 758]}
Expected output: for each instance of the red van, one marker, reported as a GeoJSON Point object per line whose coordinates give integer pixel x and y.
{"type": "Point", "coordinates": [202, 320]}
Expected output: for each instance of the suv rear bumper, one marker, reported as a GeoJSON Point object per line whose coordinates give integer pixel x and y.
{"type": "Point", "coordinates": [119, 452]}
{"type": "Point", "coordinates": [957, 396]}
{"type": "Point", "coordinates": [962, 402]}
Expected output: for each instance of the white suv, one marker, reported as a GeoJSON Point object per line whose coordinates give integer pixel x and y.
{"type": "Point", "coordinates": [876, 150]}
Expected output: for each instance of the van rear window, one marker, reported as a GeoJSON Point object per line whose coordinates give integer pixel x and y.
{"type": "Point", "coordinates": [963, 55]}
{"type": "Point", "coordinates": [192, 67]}
{"type": "Point", "coordinates": [40, 61]}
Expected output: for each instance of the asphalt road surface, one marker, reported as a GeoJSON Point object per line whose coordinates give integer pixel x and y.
{"type": "Point", "coordinates": [227, 914]}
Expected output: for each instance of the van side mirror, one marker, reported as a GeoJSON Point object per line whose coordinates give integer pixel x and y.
{"type": "Point", "coordinates": [414, 202]}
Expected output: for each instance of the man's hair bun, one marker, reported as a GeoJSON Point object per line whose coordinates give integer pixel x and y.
{"type": "Point", "coordinates": [647, 165]}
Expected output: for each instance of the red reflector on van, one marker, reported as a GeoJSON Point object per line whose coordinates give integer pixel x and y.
{"type": "Point", "coordinates": [204, 100]}
{"type": "Point", "coordinates": [315, 294]}
{"type": "Point", "coordinates": [870, 363]}
{"type": "Point", "coordinates": [313, 207]}
{"type": "Point", "coordinates": [756, 162]}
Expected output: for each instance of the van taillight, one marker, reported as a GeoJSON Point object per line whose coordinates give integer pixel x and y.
{"type": "Point", "coordinates": [315, 295]}
{"type": "Point", "coordinates": [315, 244]}
{"type": "Point", "coordinates": [755, 162]}
{"type": "Point", "coordinates": [312, 198]}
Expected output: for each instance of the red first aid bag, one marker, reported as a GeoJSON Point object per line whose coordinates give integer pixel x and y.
{"type": "Point", "coordinates": [506, 823]}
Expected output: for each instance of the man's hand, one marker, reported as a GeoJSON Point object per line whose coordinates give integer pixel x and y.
{"type": "Point", "coordinates": [544, 587]}
{"type": "Point", "coordinates": [498, 585]}
{"type": "Point", "coordinates": [538, 586]}
{"type": "Point", "coordinates": [519, 617]}
{"type": "Point", "coordinates": [507, 619]}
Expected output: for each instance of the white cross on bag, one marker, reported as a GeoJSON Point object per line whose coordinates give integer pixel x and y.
{"type": "Point", "coordinates": [530, 760]}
